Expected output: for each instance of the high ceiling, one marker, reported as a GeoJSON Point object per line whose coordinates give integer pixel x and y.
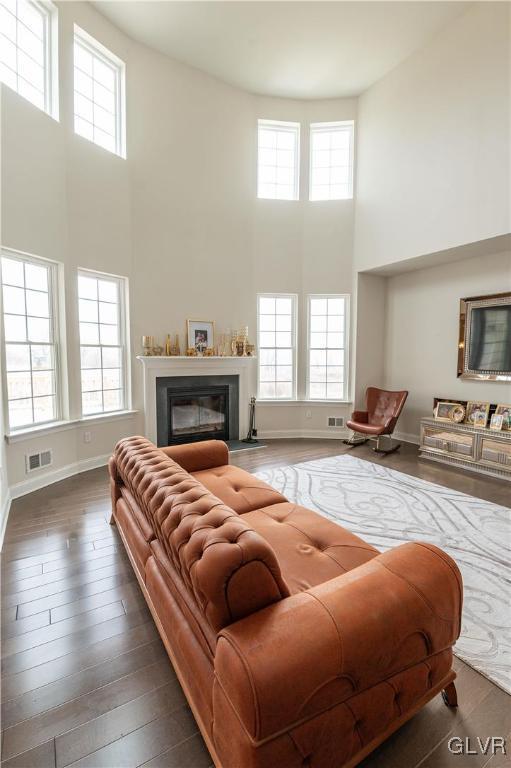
{"type": "Point", "coordinates": [305, 50]}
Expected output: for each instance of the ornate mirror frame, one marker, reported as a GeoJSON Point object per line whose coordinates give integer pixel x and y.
{"type": "Point", "coordinates": [466, 307]}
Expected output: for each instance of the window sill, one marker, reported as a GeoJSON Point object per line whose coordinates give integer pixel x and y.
{"type": "Point", "coordinates": [63, 426]}
{"type": "Point", "coordinates": [301, 403]}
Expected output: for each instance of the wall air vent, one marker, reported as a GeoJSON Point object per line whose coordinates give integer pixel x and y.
{"type": "Point", "coordinates": [38, 460]}
{"type": "Point", "coordinates": [336, 421]}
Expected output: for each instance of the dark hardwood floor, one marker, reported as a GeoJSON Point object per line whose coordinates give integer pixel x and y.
{"type": "Point", "coordinates": [85, 678]}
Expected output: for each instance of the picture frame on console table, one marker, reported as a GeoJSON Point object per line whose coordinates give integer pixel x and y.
{"type": "Point", "coordinates": [477, 413]}
{"type": "Point", "coordinates": [200, 335]}
{"type": "Point", "coordinates": [505, 411]}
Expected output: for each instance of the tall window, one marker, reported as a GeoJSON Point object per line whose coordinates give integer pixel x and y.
{"type": "Point", "coordinates": [328, 340]}
{"type": "Point", "coordinates": [103, 350]}
{"type": "Point", "coordinates": [99, 94]}
{"type": "Point", "coordinates": [277, 346]}
{"type": "Point", "coordinates": [31, 350]}
{"type": "Point", "coordinates": [331, 161]}
{"type": "Point", "coordinates": [27, 43]}
{"type": "Point", "coordinates": [278, 160]}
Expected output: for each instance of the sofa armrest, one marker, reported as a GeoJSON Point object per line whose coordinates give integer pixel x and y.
{"type": "Point", "coordinates": [318, 648]}
{"type": "Point", "coordinates": [361, 416]}
{"type": "Point", "coordinates": [193, 457]}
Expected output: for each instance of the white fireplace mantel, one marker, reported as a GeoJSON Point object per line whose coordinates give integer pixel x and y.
{"type": "Point", "coordinates": [159, 366]}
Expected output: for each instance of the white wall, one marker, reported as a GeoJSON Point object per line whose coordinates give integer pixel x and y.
{"type": "Point", "coordinates": [421, 335]}
{"type": "Point", "coordinates": [433, 144]}
{"type": "Point", "coordinates": [179, 217]}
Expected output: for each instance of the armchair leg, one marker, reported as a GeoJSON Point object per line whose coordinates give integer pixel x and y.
{"type": "Point", "coordinates": [392, 449]}
{"type": "Point", "coordinates": [450, 696]}
{"type": "Point", "coordinates": [354, 440]}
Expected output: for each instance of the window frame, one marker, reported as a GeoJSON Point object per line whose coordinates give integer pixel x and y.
{"type": "Point", "coordinates": [49, 12]}
{"type": "Point", "coordinates": [294, 346]}
{"type": "Point", "coordinates": [346, 361]}
{"type": "Point", "coordinates": [54, 303]}
{"type": "Point", "coordinates": [326, 127]}
{"type": "Point", "coordinates": [124, 340]}
{"type": "Point", "coordinates": [291, 127]}
{"type": "Point", "coordinates": [110, 59]}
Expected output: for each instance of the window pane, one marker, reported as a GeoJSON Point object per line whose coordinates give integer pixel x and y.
{"type": "Point", "coordinates": [266, 391]}
{"type": "Point", "coordinates": [92, 402]}
{"type": "Point", "coordinates": [12, 272]}
{"type": "Point", "coordinates": [267, 323]}
{"type": "Point", "coordinates": [111, 357]}
{"type": "Point", "coordinates": [317, 391]}
{"type": "Point", "coordinates": [42, 358]}
{"type": "Point", "coordinates": [88, 311]}
{"type": "Point", "coordinates": [112, 399]}
{"type": "Point", "coordinates": [36, 278]}
{"type": "Point", "coordinates": [14, 300]}
{"type": "Point", "coordinates": [319, 306]}
{"type": "Point", "coordinates": [19, 385]}
{"type": "Point", "coordinates": [17, 357]}
{"type": "Point", "coordinates": [38, 329]}
{"type": "Point", "coordinates": [284, 356]}
{"type": "Point", "coordinates": [90, 357]}
{"type": "Point", "coordinates": [87, 287]}
{"type": "Point", "coordinates": [266, 306]}
{"type": "Point", "coordinates": [20, 413]}
{"type": "Point", "coordinates": [283, 306]}
{"type": "Point", "coordinates": [37, 304]}
{"type": "Point", "coordinates": [91, 379]}
{"type": "Point", "coordinates": [89, 333]}
{"type": "Point", "coordinates": [44, 409]}
{"type": "Point", "coordinates": [43, 383]}
{"type": "Point", "coordinates": [283, 390]}
{"type": "Point", "coordinates": [107, 313]}
{"type": "Point", "coordinates": [111, 378]}
{"type": "Point", "coordinates": [108, 334]}
{"type": "Point", "coordinates": [267, 356]}
{"type": "Point", "coordinates": [15, 328]}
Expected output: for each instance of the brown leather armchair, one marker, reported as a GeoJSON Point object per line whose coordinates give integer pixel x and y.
{"type": "Point", "coordinates": [383, 409]}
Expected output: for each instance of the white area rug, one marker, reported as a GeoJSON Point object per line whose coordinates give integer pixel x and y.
{"type": "Point", "coordinates": [388, 508]}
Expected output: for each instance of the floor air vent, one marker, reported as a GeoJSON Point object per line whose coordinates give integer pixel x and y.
{"type": "Point", "coordinates": [336, 421]}
{"type": "Point", "coordinates": [38, 460]}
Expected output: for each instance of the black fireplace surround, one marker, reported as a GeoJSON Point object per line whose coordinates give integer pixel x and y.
{"type": "Point", "coordinates": [193, 408]}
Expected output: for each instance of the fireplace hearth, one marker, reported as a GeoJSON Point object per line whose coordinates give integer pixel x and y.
{"type": "Point", "coordinates": [193, 408]}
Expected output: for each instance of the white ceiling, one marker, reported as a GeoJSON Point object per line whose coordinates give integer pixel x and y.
{"type": "Point", "coordinates": [305, 50]}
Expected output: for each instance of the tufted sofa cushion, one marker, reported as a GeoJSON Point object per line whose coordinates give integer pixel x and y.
{"type": "Point", "coordinates": [229, 568]}
{"type": "Point", "coordinates": [239, 489]}
{"type": "Point", "coordinates": [310, 549]}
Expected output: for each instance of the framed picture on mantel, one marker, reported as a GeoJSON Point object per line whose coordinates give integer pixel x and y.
{"type": "Point", "coordinates": [200, 335]}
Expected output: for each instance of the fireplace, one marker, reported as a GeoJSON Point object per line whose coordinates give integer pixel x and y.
{"type": "Point", "coordinates": [193, 408]}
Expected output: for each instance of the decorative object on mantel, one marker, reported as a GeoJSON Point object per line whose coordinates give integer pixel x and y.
{"type": "Point", "coordinates": [147, 345]}
{"type": "Point", "coordinates": [477, 413]}
{"type": "Point", "coordinates": [200, 335]}
{"type": "Point", "coordinates": [252, 431]}
{"type": "Point", "coordinates": [191, 352]}
{"type": "Point", "coordinates": [168, 346]}
{"type": "Point", "coordinates": [505, 411]}
{"type": "Point", "coordinates": [467, 446]}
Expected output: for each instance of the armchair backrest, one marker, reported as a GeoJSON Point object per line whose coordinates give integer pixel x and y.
{"type": "Point", "coordinates": [384, 407]}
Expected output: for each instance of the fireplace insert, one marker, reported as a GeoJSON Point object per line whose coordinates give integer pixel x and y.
{"type": "Point", "coordinates": [199, 415]}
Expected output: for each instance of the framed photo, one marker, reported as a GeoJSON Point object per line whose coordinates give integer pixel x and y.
{"type": "Point", "coordinates": [497, 421]}
{"type": "Point", "coordinates": [200, 335]}
{"type": "Point", "coordinates": [505, 412]}
{"type": "Point", "coordinates": [477, 414]}
{"type": "Point", "coordinates": [443, 411]}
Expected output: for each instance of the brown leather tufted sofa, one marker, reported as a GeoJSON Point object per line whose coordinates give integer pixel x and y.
{"type": "Point", "coordinates": [296, 643]}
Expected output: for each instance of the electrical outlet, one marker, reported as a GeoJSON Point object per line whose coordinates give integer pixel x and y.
{"type": "Point", "coordinates": [87, 437]}
{"type": "Point", "coordinates": [308, 414]}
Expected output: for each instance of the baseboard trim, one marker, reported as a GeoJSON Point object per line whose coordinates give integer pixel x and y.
{"type": "Point", "coordinates": [324, 434]}
{"type": "Point", "coordinates": [48, 478]}
{"type": "Point", "coordinates": [6, 508]}
{"type": "Point", "coordinates": [406, 437]}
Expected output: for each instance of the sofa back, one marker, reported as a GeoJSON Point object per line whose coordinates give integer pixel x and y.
{"type": "Point", "coordinates": [230, 570]}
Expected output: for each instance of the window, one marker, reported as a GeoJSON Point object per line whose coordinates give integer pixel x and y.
{"type": "Point", "coordinates": [277, 346]}
{"type": "Point", "coordinates": [328, 339]}
{"type": "Point", "coordinates": [277, 160]}
{"type": "Point", "coordinates": [99, 94]}
{"type": "Point", "coordinates": [102, 315]}
{"type": "Point", "coordinates": [331, 161]}
{"type": "Point", "coordinates": [28, 43]}
{"type": "Point", "coordinates": [31, 350]}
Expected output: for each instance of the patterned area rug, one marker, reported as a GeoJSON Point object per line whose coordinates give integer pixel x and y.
{"type": "Point", "coordinates": [388, 508]}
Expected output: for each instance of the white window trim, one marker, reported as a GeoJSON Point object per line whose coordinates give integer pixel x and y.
{"type": "Point", "coordinates": [316, 128]}
{"type": "Point", "coordinates": [110, 59]}
{"type": "Point", "coordinates": [294, 347]}
{"type": "Point", "coordinates": [294, 128]}
{"type": "Point", "coordinates": [345, 397]}
{"type": "Point", "coordinates": [56, 301]}
{"type": "Point", "coordinates": [124, 341]}
{"type": "Point", "coordinates": [51, 59]}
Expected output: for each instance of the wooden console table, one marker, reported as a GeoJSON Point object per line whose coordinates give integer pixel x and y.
{"type": "Point", "coordinates": [474, 448]}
